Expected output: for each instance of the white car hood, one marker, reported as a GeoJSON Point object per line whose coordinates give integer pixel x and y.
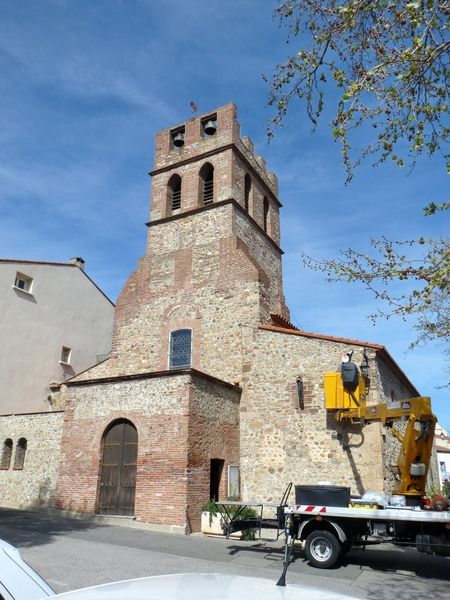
{"type": "Point", "coordinates": [200, 586]}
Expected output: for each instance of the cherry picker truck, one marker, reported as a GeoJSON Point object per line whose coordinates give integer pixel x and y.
{"type": "Point", "coordinates": [330, 522]}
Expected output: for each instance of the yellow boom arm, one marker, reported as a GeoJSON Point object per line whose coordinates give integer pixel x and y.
{"type": "Point", "coordinates": [416, 441]}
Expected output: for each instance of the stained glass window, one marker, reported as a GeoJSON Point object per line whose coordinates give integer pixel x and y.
{"type": "Point", "coordinates": [180, 349]}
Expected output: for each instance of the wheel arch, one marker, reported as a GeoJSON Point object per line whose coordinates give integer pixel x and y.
{"type": "Point", "coordinates": [311, 524]}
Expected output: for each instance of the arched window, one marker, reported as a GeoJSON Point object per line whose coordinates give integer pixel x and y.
{"type": "Point", "coordinates": [247, 190]}
{"type": "Point", "coordinates": [174, 193]}
{"type": "Point", "coordinates": [206, 184]}
{"type": "Point", "coordinates": [180, 349]}
{"type": "Point", "coordinates": [6, 453]}
{"type": "Point", "coordinates": [21, 450]}
{"type": "Point", "coordinates": [266, 214]}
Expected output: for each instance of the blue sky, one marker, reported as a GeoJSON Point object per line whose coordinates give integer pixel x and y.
{"type": "Point", "coordinates": [85, 86]}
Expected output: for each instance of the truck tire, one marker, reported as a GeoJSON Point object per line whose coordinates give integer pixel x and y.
{"type": "Point", "coordinates": [322, 549]}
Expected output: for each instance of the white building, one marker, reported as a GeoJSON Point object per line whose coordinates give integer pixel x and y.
{"type": "Point", "coordinates": [54, 322]}
{"type": "Point", "coordinates": [443, 453]}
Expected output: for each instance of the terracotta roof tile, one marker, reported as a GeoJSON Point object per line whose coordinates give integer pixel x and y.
{"type": "Point", "coordinates": [280, 321]}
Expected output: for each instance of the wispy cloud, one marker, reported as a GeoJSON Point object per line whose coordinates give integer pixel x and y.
{"type": "Point", "coordinates": [85, 87]}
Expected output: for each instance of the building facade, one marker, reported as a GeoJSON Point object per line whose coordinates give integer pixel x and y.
{"type": "Point", "coordinates": [209, 390]}
{"type": "Point", "coordinates": [206, 368]}
{"type": "Point", "coordinates": [442, 440]}
{"type": "Point", "coordinates": [54, 322]}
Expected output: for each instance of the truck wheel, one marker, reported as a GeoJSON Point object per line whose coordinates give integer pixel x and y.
{"type": "Point", "coordinates": [322, 549]}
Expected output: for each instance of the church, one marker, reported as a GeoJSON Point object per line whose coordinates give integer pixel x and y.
{"type": "Point", "coordinates": [209, 391]}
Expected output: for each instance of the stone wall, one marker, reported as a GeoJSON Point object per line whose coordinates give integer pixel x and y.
{"type": "Point", "coordinates": [280, 442]}
{"type": "Point", "coordinates": [35, 483]}
{"type": "Point", "coordinates": [182, 419]}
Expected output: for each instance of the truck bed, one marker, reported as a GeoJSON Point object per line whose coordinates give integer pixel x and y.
{"type": "Point", "coordinates": [379, 514]}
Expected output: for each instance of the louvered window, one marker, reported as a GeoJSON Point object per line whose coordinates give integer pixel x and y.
{"type": "Point", "coordinates": [207, 184]}
{"type": "Point", "coordinates": [174, 194]}
{"type": "Point", "coordinates": [180, 349]}
{"type": "Point", "coordinates": [208, 191]}
{"type": "Point", "coordinates": [6, 453]}
{"type": "Point", "coordinates": [176, 199]}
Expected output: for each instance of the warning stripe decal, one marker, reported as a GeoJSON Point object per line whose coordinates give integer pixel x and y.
{"type": "Point", "coordinates": [311, 509]}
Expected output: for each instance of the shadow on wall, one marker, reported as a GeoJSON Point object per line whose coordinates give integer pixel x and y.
{"type": "Point", "coordinates": [347, 446]}
{"type": "Point", "coordinates": [344, 435]}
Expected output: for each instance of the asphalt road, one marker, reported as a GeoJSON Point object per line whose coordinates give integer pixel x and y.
{"type": "Point", "coordinates": [76, 553]}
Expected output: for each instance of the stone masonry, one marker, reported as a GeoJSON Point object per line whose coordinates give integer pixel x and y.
{"type": "Point", "coordinates": [213, 267]}
{"type": "Point", "coordinates": [35, 483]}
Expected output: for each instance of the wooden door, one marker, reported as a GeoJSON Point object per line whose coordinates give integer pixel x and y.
{"type": "Point", "coordinates": [118, 474]}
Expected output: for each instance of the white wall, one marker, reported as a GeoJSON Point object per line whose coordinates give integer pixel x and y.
{"type": "Point", "coordinates": [443, 453]}
{"type": "Point", "coordinates": [65, 308]}
{"type": "Point", "coordinates": [444, 466]}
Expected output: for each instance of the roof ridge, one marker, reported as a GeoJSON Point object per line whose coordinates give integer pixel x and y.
{"type": "Point", "coordinates": [37, 262]}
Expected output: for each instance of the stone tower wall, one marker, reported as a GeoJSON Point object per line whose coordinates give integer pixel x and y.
{"type": "Point", "coordinates": [209, 268]}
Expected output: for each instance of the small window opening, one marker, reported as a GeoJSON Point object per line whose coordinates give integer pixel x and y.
{"type": "Point", "coordinates": [209, 126]}
{"type": "Point", "coordinates": [266, 214]}
{"type": "Point", "coordinates": [65, 354]}
{"type": "Point", "coordinates": [23, 282]}
{"type": "Point", "coordinates": [180, 349]}
{"type": "Point", "coordinates": [207, 183]}
{"type": "Point", "coordinates": [21, 450]}
{"type": "Point", "coordinates": [174, 192]}
{"type": "Point", "coordinates": [6, 453]}
{"type": "Point", "coordinates": [247, 189]}
{"type": "Point", "coordinates": [300, 394]}
{"type": "Point", "coordinates": [177, 137]}
{"type": "Point", "coordinates": [215, 478]}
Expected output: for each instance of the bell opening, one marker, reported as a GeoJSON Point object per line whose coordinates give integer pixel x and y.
{"type": "Point", "coordinates": [209, 125]}
{"type": "Point", "coordinates": [178, 139]}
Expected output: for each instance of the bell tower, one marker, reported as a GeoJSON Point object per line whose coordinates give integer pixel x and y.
{"type": "Point", "coordinates": [213, 261]}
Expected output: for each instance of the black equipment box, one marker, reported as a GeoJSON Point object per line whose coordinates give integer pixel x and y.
{"type": "Point", "coordinates": [326, 495]}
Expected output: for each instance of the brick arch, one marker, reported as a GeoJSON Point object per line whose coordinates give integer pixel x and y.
{"type": "Point", "coordinates": [179, 312]}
